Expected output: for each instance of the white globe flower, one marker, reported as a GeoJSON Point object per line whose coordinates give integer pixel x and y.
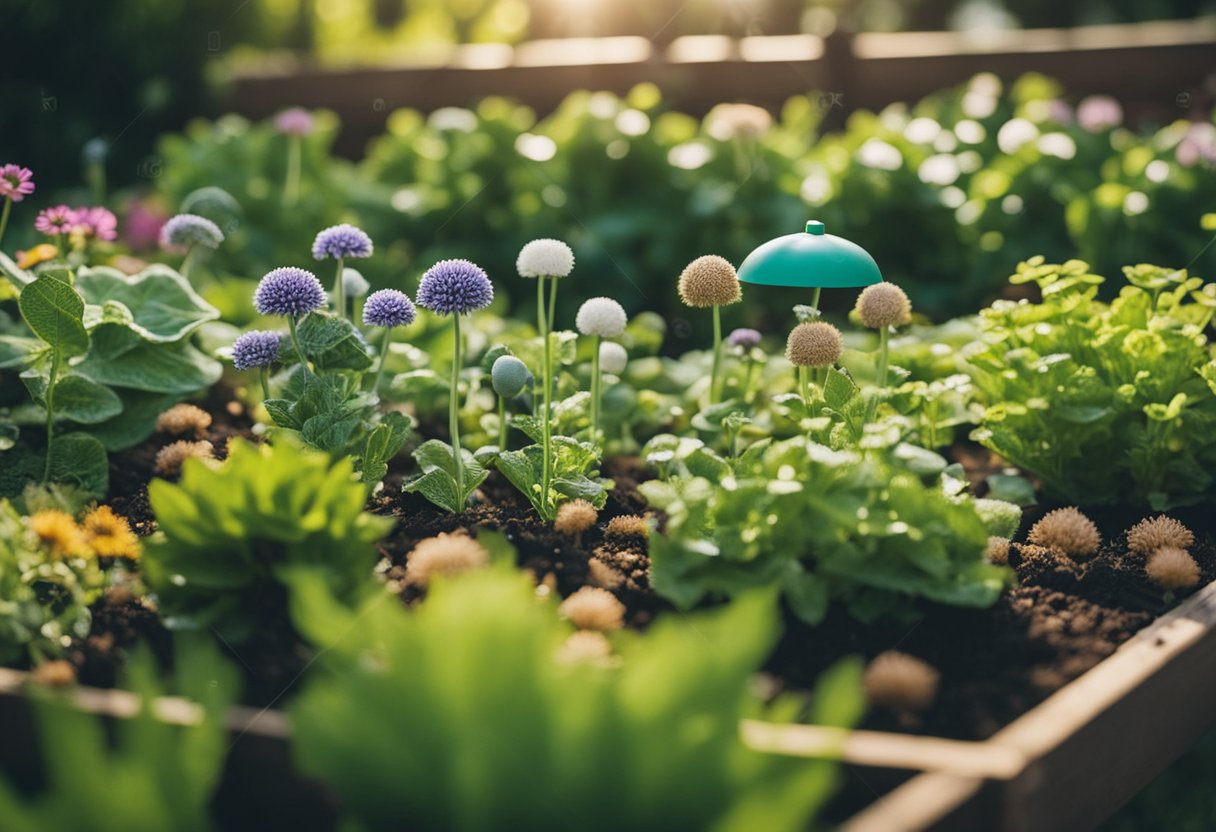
{"type": "Point", "coordinates": [613, 358]}
{"type": "Point", "coordinates": [545, 258]}
{"type": "Point", "coordinates": [601, 316]}
{"type": "Point", "coordinates": [354, 284]}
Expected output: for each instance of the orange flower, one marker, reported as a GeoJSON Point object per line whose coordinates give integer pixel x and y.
{"type": "Point", "coordinates": [38, 254]}
{"type": "Point", "coordinates": [110, 534]}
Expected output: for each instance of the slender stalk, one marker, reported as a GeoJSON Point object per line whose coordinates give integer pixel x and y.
{"type": "Point", "coordinates": [804, 388]}
{"type": "Point", "coordinates": [295, 342]}
{"type": "Point", "coordinates": [502, 423]}
{"type": "Point", "coordinates": [454, 405]}
{"type": "Point", "coordinates": [8, 207]}
{"type": "Point", "coordinates": [50, 413]}
{"type": "Point", "coordinates": [596, 392]}
{"type": "Point", "coordinates": [815, 299]}
{"type": "Point", "coordinates": [747, 377]}
{"type": "Point", "coordinates": [291, 188]}
{"type": "Point", "coordinates": [263, 377]}
{"type": "Point", "coordinates": [384, 339]}
{"type": "Point", "coordinates": [552, 301]}
{"type": "Point", "coordinates": [340, 291]}
{"type": "Point", "coordinates": [880, 378]}
{"type": "Point", "coordinates": [546, 380]}
{"type": "Point", "coordinates": [188, 262]}
{"type": "Point", "coordinates": [713, 372]}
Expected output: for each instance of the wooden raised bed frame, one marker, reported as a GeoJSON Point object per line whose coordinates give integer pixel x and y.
{"type": "Point", "coordinates": [1067, 764]}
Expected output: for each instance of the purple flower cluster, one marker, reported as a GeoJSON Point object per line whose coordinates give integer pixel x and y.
{"type": "Point", "coordinates": [289, 291]}
{"type": "Point", "coordinates": [16, 182]}
{"type": "Point", "coordinates": [187, 230]}
{"type": "Point", "coordinates": [455, 287]}
{"type": "Point", "coordinates": [295, 121]}
{"type": "Point", "coordinates": [388, 307]}
{"type": "Point", "coordinates": [342, 241]}
{"type": "Point", "coordinates": [744, 338]}
{"type": "Point", "coordinates": [256, 349]}
{"type": "Point", "coordinates": [56, 220]}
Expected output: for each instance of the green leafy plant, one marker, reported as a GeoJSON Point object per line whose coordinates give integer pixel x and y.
{"type": "Point", "coordinates": [872, 530]}
{"type": "Point", "coordinates": [144, 773]}
{"type": "Point", "coordinates": [472, 699]}
{"type": "Point", "coordinates": [230, 535]}
{"type": "Point", "coordinates": [1104, 402]}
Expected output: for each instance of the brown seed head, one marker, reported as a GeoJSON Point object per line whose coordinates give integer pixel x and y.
{"type": "Point", "coordinates": [883, 304]}
{"type": "Point", "coordinates": [55, 674]}
{"type": "Point", "coordinates": [592, 608]}
{"type": "Point", "coordinates": [1068, 530]}
{"type": "Point", "coordinates": [183, 419]}
{"type": "Point", "coordinates": [585, 646]}
{"type": "Point", "coordinates": [1149, 535]}
{"type": "Point", "coordinates": [602, 575]}
{"type": "Point", "coordinates": [627, 525]}
{"type": "Point", "coordinates": [709, 281]}
{"type": "Point", "coordinates": [444, 554]}
{"type": "Point", "coordinates": [169, 459]}
{"type": "Point", "coordinates": [817, 344]}
{"type": "Point", "coordinates": [1172, 568]}
{"type": "Point", "coordinates": [998, 550]}
{"type": "Point", "coordinates": [575, 517]}
{"type": "Point", "coordinates": [897, 680]}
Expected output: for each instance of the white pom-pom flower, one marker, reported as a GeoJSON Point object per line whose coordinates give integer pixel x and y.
{"type": "Point", "coordinates": [545, 258]}
{"type": "Point", "coordinates": [601, 316]}
{"type": "Point", "coordinates": [613, 358]}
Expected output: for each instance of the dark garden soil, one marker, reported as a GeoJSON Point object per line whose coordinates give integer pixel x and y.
{"type": "Point", "coordinates": [995, 664]}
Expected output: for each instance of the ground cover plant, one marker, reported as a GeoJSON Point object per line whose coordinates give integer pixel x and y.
{"type": "Point", "coordinates": [475, 546]}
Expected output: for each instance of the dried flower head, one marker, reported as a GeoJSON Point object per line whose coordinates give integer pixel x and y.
{"type": "Point", "coordinates": [182, 419]}
{"type": "Point", "coordinates": [294, 121]}
{"type": "Point", "coordinates": [1068, 530]}
{"type": "Point", "coordinates": [744, 338]}
{"type": "Point", "coordinates": [455, 287]}
{"type": "Point", "coordinates": [545, 258]}
{"type": "Point", "coordinates": [575, 517]}
{"type": "Point", "coordinates": [169, 459]}
{"type": "Point", "coordinates": [445, 554]}
{"type": "Point", "coordinates": [187, 230]}
{"type": "Point", "coordinates": [882, 305]}
{"type": "Point", "coordinates": [602, 575]}
{"type": "Point", "coordinates": [1172, 568]}
{"type": "Point", "coordinates": [388, 307]}
{"type": "Point", "coordinates": [818, 344]}
{"type": "Point", "coordinates": [601, 316]}
{"type": "Point", "coordinates": [56, 673]}
{"type": "Point", "coordinates": [1153, 533]}
{"type": "Point", "coordinates": [584, 646]}
{"type": "Point", "coordinates": [16, 182]}
{"type": "Point", "coordinates": [592, 608]}
{"type": "Point", "coordinates": [109, 534]}
{"type": "Point", "coordinates": [709, 281]}
{"type": "Point", "coordinates": [56, 220]}
{"type": "Point", "coordinates": [290, 292]}
{"type": "Point", "coordinates": [57, 530]}
{"type": "Point", "coordinates": [509, 376]}
{"type": "Point", "coordinates": [613, 358]}
{"type": "Point", "coordinates": [341, 241]}
{"type": "Point", "coordinates": [997, 551]}
{"type": "Point", "coordinates": [897, 680]}
{"type": "Point", "coordinates": [256, 349]}
{"type": "Point", "coordinates": [737, 121]}
{"type": "Point", "coordinates": [627, 525]}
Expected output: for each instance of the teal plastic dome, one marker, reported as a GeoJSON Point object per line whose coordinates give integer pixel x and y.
{"type": "Point", "coordinates": [812, 259]}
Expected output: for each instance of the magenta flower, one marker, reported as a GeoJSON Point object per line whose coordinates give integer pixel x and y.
{"type": "Point", "coordinates": [294, 122]}
{"type": "Point", "coordinates": [16, 182]}
{"type": "Point", "coordinates": [96, 223]}
{"type": "Point", "coordinates": [1099, 112]}
{"type": "Point", "coordinates": [56, 220]}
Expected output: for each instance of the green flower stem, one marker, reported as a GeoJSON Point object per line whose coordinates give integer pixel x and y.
{"type": "Point", "coordinates": [502, 423]}
{"type": "Point", "coordinates": [384, 339]}
{"type": "Point", "coordinates": [804, 388]}
{"type": "Point", "coordinates": [263, 376]}
{"type": "Point", "coordinates": [596, 392]}
{"type": "Point", "coordinates": [8, 207]}
{"type": "Point", "coordinates": [750, 366]}
{"type": "Point", "coordinates": [340, 292]}
{"type": "Point", "coordinates": [815, 299]}
{"type": "Point", "coordinates": [295, 342]}
{"type": "Point", "coordinates": [454, 405]}
{"type": "Point", "coordinates": [713, 372]}
{"type": "Point", "coordinates": [546, 381]}
{"type": "Point", "coordinates": [291, 187]}
{"type": "Point", "coordinates": [552, 301]}
{"type": "Point", "coordinates": [50, 412]}
{"type": "Point", "coordinates": [188, 262]}
{"type": "Point", "coordinates": [880, 378]}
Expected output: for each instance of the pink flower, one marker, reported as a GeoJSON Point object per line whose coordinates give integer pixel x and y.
{"type": "Point", "coordinates": [294, 122]}
{"type": "Point", "coordinates": [144, 220]}
{"type": "Point", "coordinates": [1098, 112]}
{"type": "Point", "coordinates": [98, 223]}
{"type": "Point", "coordinates": [1199, 144]}
{"type": "Point", "coordinates": [56, 220]}
{"type": "Point", "coordinates": [16, 182]}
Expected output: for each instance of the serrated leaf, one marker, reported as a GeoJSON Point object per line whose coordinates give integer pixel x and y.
{"type": "Point", "coordinates": [53, 310]}
{"type": "Point", "coordinates": [333, 343]}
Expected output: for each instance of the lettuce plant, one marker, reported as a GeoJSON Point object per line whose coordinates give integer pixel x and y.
{"type": "Point", "coordinates": [230, 534]}
{"type": "Point", "coordinates": [480, 709]}
{"type": "Point", "coordinates": [868, 529]}
{"type": "Point", "coordinates": [1104, 402]}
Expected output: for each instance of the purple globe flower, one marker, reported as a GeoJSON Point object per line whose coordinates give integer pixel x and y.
{"type": "Point", "coordinates": [188, 230]}
{"type": "Point", "coordinates": [256, 349]}
{"type": "Point", "coordinates": [744, 338]}
{"type": "Point", "coordinates": [388, 307]}
{"type": "Point", "coordinates": [455, 287]}
{"type": "Point", "coordinates": [342, 241]}
{"type": "Point", "coordinates": [289, 291]}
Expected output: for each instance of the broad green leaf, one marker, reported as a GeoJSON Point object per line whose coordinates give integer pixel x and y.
{"type": "Point", "coordinates": [16, 349]}
{"type": "Point", "coordinates": [19, 277]}
{"type": "Point", "coordinates": [80, 400]}
{"type": "Point", "coordinates": [333, 343]}
{"type": "Point", "coordinates": [136, 421]}
{"type": "Point", "coordinates": [53, 310]}
{"type": "Point", "coordinates": [152, 367]}
{"type": "Point", "coordinates": [158, 303]}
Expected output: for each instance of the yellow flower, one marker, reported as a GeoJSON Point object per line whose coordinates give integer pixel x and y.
{"type": "Point", "coordinates": [38, 254]}
{"type": "Point", "coordinates": [110, 534]}
{"type": "Point", "coordinates": [57, 530]}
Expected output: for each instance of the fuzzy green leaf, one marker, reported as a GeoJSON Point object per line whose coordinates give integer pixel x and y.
{"type": "Point", "coordinates": [54, 311]}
